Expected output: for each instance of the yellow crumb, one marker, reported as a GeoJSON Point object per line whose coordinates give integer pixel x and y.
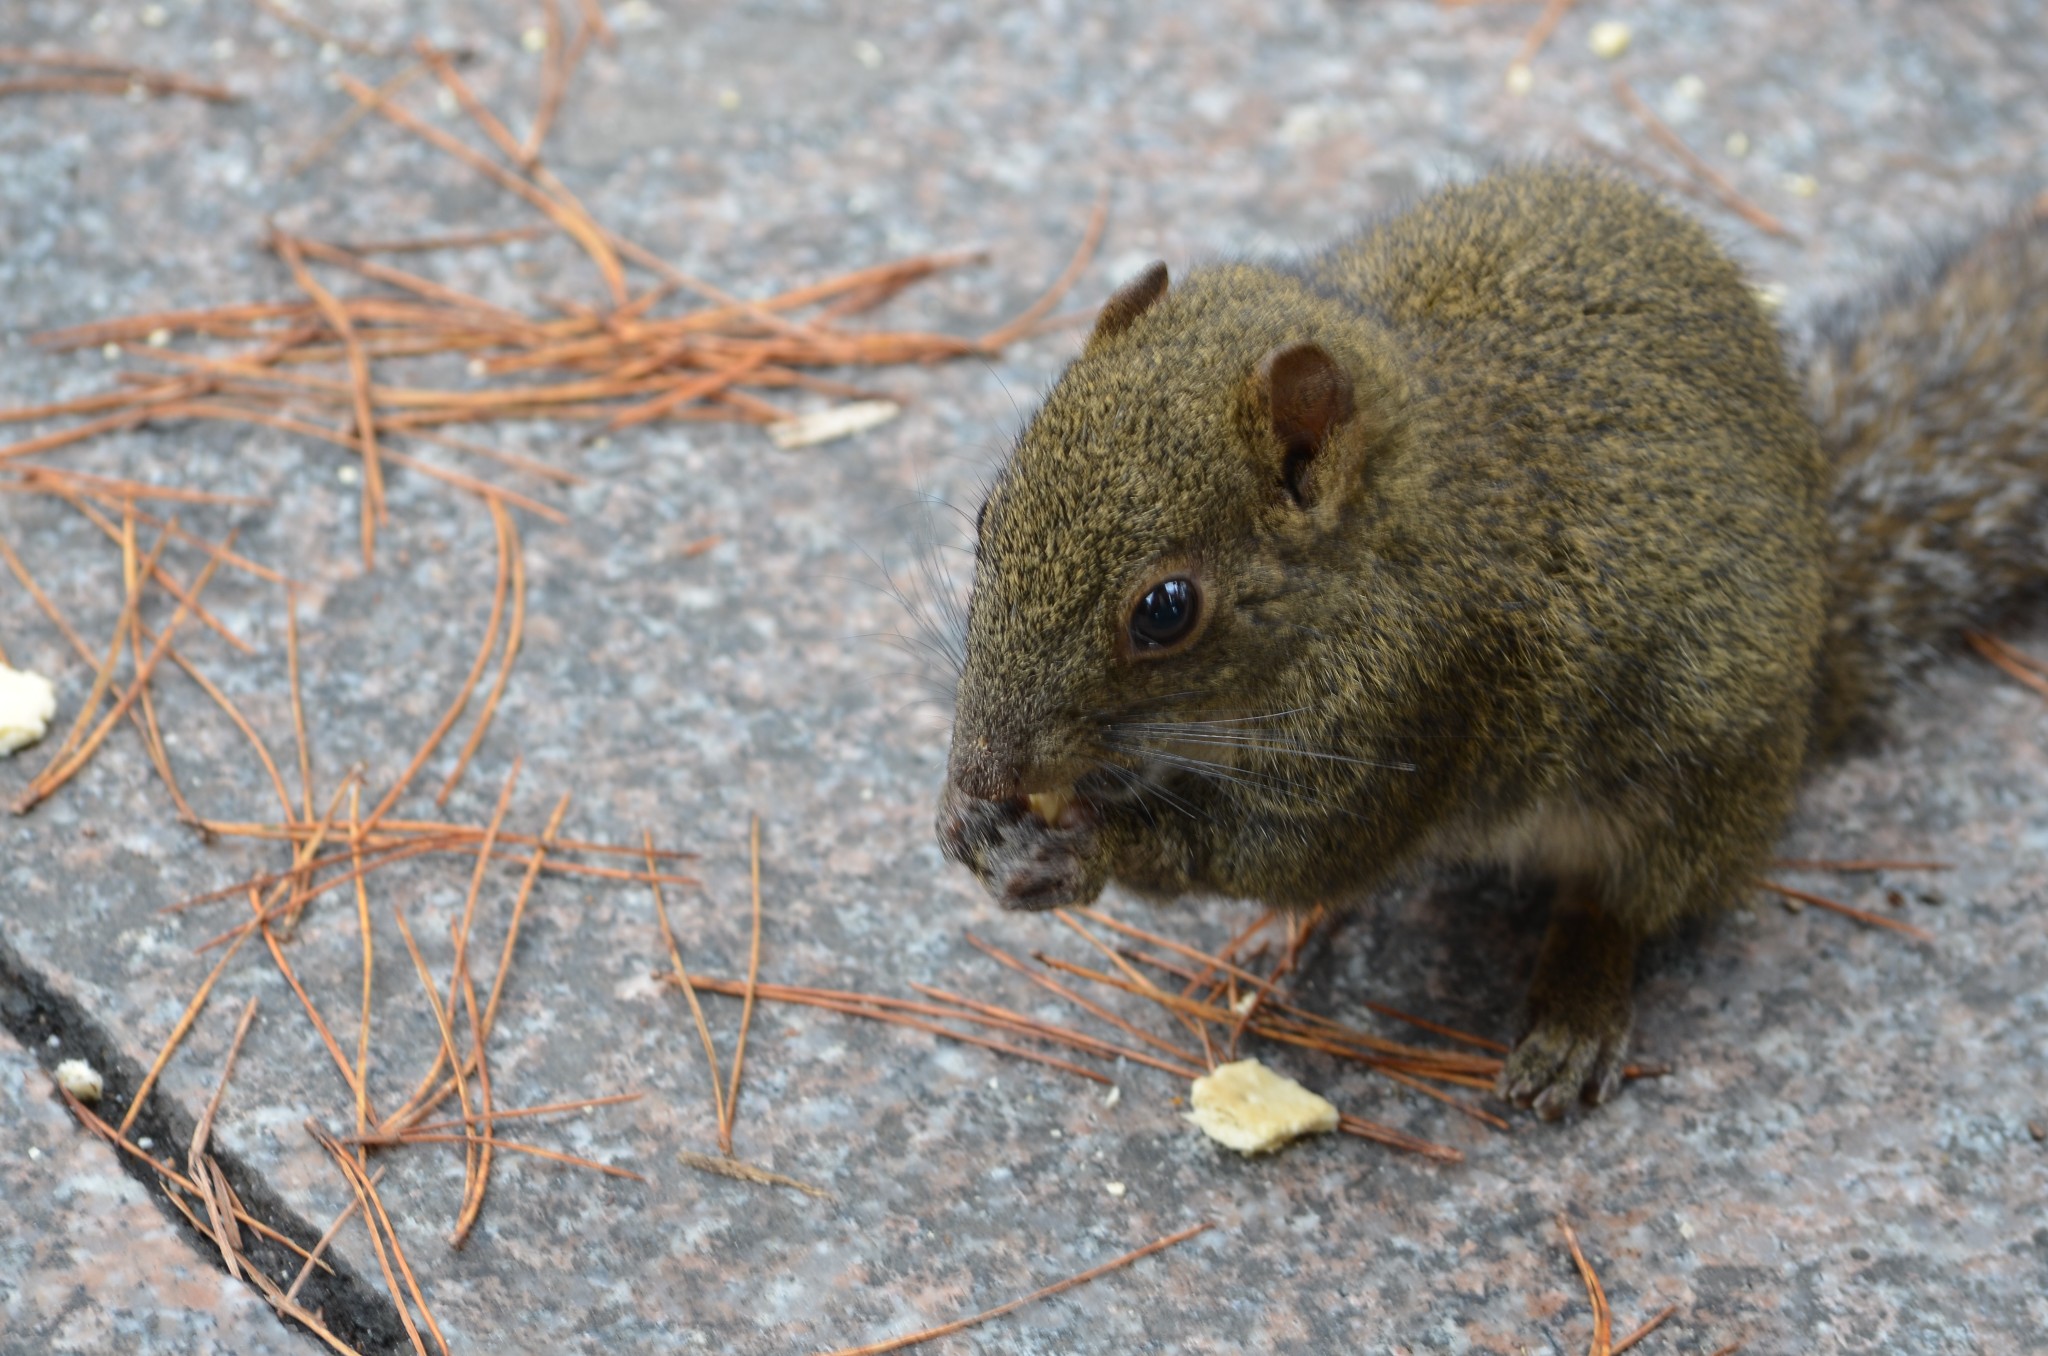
{"type": "Point", "coordinates": [27, 701]}
{"type": "Point", "coordinates": [1247, 1107]}
{"type": "Point", "coordinates": [1049, 805]}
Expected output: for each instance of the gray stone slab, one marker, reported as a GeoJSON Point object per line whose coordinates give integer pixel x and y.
{"type": "Point", "coordinates": [1840, 1161]}
{"type": "Point", "coordinates": [88, 1263]}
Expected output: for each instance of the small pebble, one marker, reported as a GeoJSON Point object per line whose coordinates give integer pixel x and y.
{"type": "Point", "coordinates": [2038, 1129]}
{"type": "Point", "coordinates": [1116, 1189]}
{"type": "Point", "coordinates": [1520, 78]}
{"type": "Point", "coordinates": [1609, 39]}
{"type": "Point", "coordinates": [1114, 1095]}
{"type": "Point", "coordinates": [1933, 897]}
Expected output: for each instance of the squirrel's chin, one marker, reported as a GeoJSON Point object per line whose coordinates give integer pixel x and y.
{"type": "Point", "coordinates": [1041, 892]}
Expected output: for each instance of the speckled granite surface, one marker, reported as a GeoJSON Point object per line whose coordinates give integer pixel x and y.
{"type": "Point", "coordinates": [1840, 1162]}
{"type": "Point", "coordinates": [89, 1262]}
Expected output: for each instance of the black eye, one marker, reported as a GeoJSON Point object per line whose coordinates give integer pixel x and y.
{"type": "Point", "coordinates": [1166, 613]}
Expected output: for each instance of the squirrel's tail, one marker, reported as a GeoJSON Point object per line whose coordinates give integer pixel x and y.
{"type": "Point", "coordinates": [1932, 405]}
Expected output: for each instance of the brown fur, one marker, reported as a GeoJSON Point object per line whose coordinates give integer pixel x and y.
{"type": "Point", "coordinates": [1512, 538]}
{"type": "Point", "coordinates": [1934, 414]}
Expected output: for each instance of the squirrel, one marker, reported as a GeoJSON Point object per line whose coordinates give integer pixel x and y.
{"type": "Point", "coordinates": [1504, 531]}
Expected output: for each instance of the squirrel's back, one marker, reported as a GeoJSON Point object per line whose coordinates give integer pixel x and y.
{"type": "Point", "coordinates": [1608, 454]}
{"type": "Point", "coordinates": [1931, 397]}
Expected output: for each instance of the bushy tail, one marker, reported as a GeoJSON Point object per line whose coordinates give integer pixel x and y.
{"type": "Point", "coordinates": [1932, 403]}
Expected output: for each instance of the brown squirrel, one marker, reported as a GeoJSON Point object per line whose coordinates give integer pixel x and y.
{"type": "Point", "coordinates": [1502, 532]}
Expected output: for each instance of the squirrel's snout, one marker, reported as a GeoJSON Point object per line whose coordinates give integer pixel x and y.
{"type": "Point", "coordinates": [986, 777]}
{"type": "Point", "coordinates": [982, 767]}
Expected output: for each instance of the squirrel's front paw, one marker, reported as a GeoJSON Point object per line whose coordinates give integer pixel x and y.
{"type": "Point", "coordinates": [1570, 1052]}
{"type": "Point", "coordinates": [1025, 862]}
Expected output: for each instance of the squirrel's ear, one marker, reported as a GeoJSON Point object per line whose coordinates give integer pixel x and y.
{"type": "Point", "coordinates": [1129, 302]}
{"type": "Point", "coordinates": [1308, 396]}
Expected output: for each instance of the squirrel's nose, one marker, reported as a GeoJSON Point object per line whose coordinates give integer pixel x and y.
{"type": "Point", "coordinates": [981, 770]}
{"type": "Point", "coordinates": [986, 777]}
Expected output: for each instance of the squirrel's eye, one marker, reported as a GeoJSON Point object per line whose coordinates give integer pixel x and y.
{"type": "Point", "coordinates": [1165, 614]}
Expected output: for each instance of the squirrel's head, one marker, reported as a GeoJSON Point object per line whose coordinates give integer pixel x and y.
{"type": "Point", "coordinates": [1142, 559]}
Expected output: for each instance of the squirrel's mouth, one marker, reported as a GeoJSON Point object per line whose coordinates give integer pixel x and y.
{"type": "Point", "coordinates": [1070, 805]}
{"type": "Point", "coordinates": [1061, 808]}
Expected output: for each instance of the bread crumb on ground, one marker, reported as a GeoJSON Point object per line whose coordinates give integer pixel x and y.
{"type": "Point", "coordinates": [1247, 1107]}
{"type": "Point", "coordinates": [27, 701]}
{"type": "Point", "coordinates": [840, 421]}
{"type": "Point", "coordinates": [79, 1079]}
{"type": "Point", "coordinates": [1609, 39]}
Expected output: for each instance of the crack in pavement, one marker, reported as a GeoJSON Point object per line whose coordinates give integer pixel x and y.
{"type": "Point", "coordinates": [53, 1026]}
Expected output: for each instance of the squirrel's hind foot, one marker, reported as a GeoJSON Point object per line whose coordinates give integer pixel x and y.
{"type": "Point", "coordinates": [1557, 1064]}
{"type": "Point", "coordinates": [1580, 1011]}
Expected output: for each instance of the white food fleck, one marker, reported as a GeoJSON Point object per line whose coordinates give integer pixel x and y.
{"type": "Point", "coordinates": [79, 1079]}
{"type": "Point", "coordinates": [841, 421]}
{"type": "Point", "coordinates": [27, 701]}
{"type": "Point", "coordinates": [1609, 38]}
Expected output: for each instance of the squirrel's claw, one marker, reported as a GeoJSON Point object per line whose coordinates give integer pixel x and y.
{"type": "Point", "coordinates": [1560, 1062]}
{"type": "Point", "coordinates": [1580, 1012]}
